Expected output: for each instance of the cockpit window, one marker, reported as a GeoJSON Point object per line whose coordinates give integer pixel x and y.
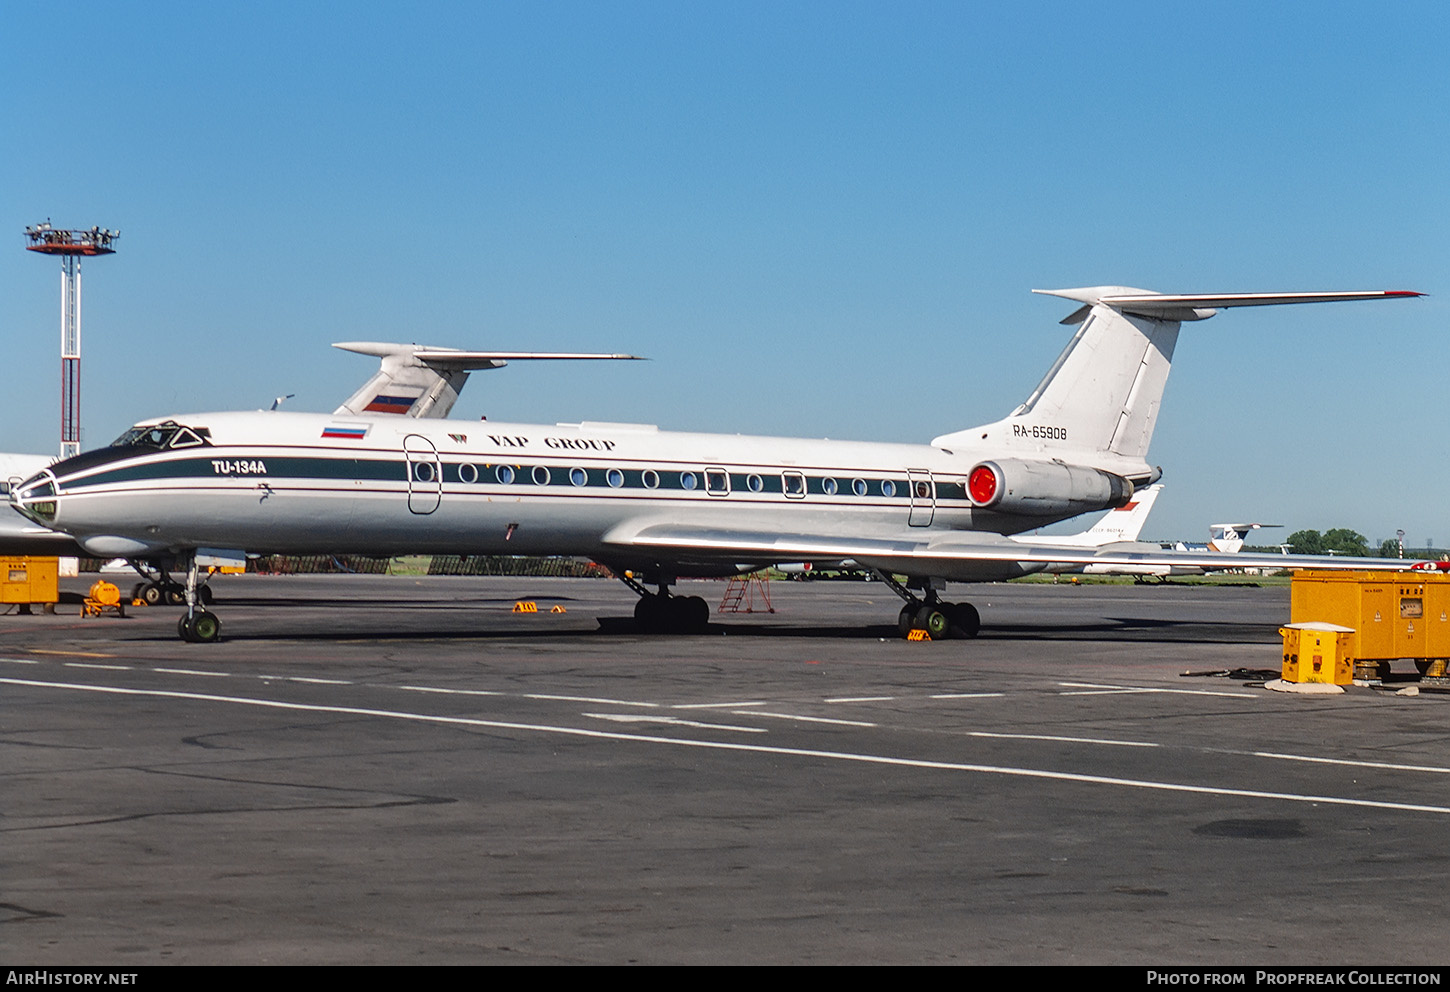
{"type": "Point", "coordinates": [169, 434]}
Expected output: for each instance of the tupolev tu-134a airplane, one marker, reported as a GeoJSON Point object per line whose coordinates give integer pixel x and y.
{"type": "Point", "coordinates": [657, 504]}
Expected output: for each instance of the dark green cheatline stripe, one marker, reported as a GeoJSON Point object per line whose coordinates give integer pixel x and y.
{"type": "Point", "coordinates": [291, 467]}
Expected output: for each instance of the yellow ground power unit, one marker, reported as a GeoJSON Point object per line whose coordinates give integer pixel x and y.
{"type": "Point", "coordinates": [1318, 652]}
{"type": "Point", "coordinates": [29, 580]}
{"type": "Point", "coordinates": [1394, 614]}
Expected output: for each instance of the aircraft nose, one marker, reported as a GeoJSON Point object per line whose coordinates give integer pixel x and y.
{"type": "Point", "coordinates": [35, 498]}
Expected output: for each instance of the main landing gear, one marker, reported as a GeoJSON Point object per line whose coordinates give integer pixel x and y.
{"type": "Point", "coordinates": [197, 626]}
{"type": "Point", "coordinates": [930, 613]}
{"type": "Point", "coordinates": [160, 589]}
{"type": "Point", "coordinates": [661, 613]}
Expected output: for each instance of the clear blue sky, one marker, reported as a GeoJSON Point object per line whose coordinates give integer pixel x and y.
{"type": "Point", "coordinates": [818, 219]}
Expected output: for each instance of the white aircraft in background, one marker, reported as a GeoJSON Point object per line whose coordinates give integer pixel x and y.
{"type": "Point", "coordinates": [1116, 532]}
{"type": "Point", "coordinates": [654, 503]}
{"type": "Point", "coordinates": [1225, 538]}
{"type": "Point", "coordinates": [1228, 538]}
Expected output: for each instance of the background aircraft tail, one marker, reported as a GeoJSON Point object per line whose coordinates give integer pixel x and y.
{"type": "Point", "coordinates": [1117, 526]}
{"type": "Point", "coordinates": [1124, 523]}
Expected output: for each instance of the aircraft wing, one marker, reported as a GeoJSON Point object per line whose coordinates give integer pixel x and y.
{"type": "Point", "coordinates": [957, 555]}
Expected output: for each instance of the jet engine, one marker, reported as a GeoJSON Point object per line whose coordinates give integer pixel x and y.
{"type": "Point", "coordinates": [1044, 489]}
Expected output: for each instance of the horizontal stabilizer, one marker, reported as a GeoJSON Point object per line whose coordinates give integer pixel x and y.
{"type": "Point", "coordinates": [454, 358]}
{"type": "Point", "coordinates": [422, 381]}
{"type": "Point", "coordinates": [1196, 306]}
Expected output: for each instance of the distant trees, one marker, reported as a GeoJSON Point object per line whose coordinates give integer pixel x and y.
{"type": "Point", "coordinates": [1340, 541]}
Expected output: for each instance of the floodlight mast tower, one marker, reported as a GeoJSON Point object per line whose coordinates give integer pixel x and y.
{"type": "Point", "coordinates": [71, 246]}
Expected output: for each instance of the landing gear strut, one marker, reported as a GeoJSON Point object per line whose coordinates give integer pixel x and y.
{"type": "Point", "coordinates": [938, 618]}
{"type": "Point", "coordinates": [197, 626]}
{"type": "Point", "coordinates": [661, 613]}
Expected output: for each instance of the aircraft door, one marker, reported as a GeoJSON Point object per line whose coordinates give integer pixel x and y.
{"type": "Point", "coordinates": [923, 497]}
{"type": "Point", "coordinates": [425, 474]}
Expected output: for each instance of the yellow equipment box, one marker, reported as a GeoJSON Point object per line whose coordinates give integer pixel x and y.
{"type": "Point", "coordinates": [1318, 652]}
{"type": "Point", "coordinates": [1394, 614]}
{"type": "Point", "coordinates": [29, 580]}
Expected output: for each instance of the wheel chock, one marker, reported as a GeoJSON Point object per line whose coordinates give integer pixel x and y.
{"type": "Point", "coordinates": [917, 634]}
{"type": "Point", "coordinates": [525, 606]}
{"type": "Point", "coordinates": [558, 609]}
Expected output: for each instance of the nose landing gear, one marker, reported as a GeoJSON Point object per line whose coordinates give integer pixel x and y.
{"type": "Point", "coordinates": [196, 626]}
{"type": "Point", "coordinates": [200, 627]}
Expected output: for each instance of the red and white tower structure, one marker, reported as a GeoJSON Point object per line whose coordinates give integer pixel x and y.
{"type": "Point", "coordinates": [71, 246]}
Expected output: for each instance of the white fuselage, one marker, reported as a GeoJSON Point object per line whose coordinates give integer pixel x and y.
{"type": "Point", "coordinates": [299, 483]}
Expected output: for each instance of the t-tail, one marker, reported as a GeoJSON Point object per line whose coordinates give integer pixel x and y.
{"type": "Point", "coordinates": [1098, 404]}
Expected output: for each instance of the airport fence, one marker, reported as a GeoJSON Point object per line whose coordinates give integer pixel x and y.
{"type": "Point", "coordinates": [314, 564]}
{"type": "Point", "coordinates": [515, 565]}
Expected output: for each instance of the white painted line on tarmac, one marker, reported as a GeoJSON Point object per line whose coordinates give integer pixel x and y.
{"type": "Point", "coordinates": [1100, 690]}
{"type": "Point", "coordinates": [1387, 765]}
{"type": "Point", "coordinates": [299, 678]}
{"type": "Point", "coordinates": [672, 720]}
{"type": "Point", "coordinates": [1065, 740]}
{"type": "Point", "coordinates": [861, 699]}
{"type": "Point", "coordinates": [967, 695]}
{"type": "Point", "coordinates": [92, 664]}
{"type": "Point", "coordinates": [585, 699]}
{"type": "Point", "coordinates": [21, 661]}
{"type": "Point", "coordinates": [875, 759]}
{"type": "Point", "coordinates": [190, 671]}
{"type": "Point", "coordinates": [806, 719]}
{"type": "Point", "coordinates": [449, 692]}
{"type": "Point", "coordinates": [717, 706]}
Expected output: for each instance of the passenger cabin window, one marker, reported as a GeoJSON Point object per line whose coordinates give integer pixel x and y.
{"type": "Point", "coordinates": [717, 482]}
{"type": "Point", "coordinates": [793, 484]}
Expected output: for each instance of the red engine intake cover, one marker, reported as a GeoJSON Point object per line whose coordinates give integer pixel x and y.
{"type": "Point", "coordinates": [982, 485]}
